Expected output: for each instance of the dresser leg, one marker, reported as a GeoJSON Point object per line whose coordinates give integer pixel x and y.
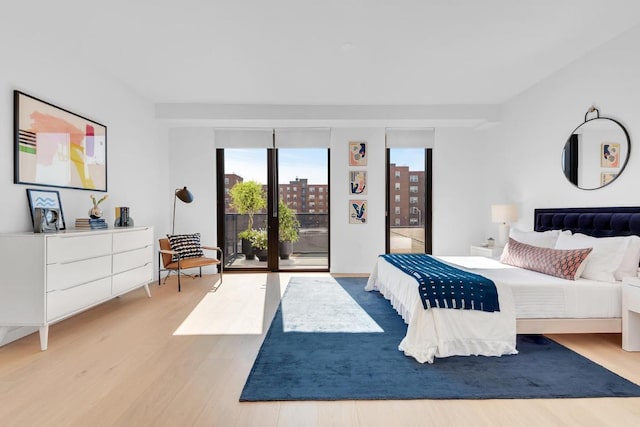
{"type": "Point", "coordinates": [3, 332]}
{"type": "Point", "coordinates": [44, 337]}
{"type": "Point", "coordinates": [146, 289]}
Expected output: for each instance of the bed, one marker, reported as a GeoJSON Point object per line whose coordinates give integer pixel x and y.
{"type": "Point", "coordinates": [530, 302]}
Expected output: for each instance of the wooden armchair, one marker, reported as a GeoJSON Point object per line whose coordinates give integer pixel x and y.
{"type": "Point", "coordinates": [165, 256]}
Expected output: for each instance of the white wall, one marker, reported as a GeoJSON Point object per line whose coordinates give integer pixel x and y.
{"type": "Point", "coordinates": [136, 147]}
{"type": "Point", "coordinates": [354, 247]}
{"type": "Point", "coordinates": [527, 145]}
{"type": "Point", "coordinates": [460, 192]}
{"type": "Point", "coordinates": [192, 158]}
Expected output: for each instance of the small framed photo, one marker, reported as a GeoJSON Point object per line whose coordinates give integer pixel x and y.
{"type": "Point", "coordinates": [357, 183]}
{"type": "Point", "coordinates": [45, 199]}
{"type": "Point", "coordinates": [357, 211]}
{"type": "Point", "coordinates": [357, 154]}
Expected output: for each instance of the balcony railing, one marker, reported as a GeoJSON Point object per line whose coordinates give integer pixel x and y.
{"type": "Point", "coordinates": [313, 236]}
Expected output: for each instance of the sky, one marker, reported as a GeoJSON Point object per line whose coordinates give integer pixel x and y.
{"type": "Point", "coordinates": [251, 164]}
{"type": "Point", "coordinates": [310, 163]}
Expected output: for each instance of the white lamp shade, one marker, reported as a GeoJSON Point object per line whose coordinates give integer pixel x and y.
{"type": "Point", "coordinates": [504, 213]}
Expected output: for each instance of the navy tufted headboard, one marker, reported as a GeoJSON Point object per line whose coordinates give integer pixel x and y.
{"type": "Point", "coordinates": [597, 222]}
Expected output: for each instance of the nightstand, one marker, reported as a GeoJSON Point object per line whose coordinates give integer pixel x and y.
{"type": "Point", "coordinates": [631, 314]}
{"type": "Point", "coordinates": [494, 252]}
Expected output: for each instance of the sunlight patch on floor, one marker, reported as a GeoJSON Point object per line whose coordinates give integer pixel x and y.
{"type": "Point", "coordinates": [236, 308]}
{"type": "Point", "coordinates": [320, 304]}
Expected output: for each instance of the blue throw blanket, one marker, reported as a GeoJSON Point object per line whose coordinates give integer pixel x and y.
{"type": "Point", "coordinates": [444, 286]}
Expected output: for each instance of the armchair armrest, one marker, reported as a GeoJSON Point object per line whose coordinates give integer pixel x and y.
{"type": "Point", "coordinates": [168, 252]}
{"type": "Point", "coordinates": [214, 248]}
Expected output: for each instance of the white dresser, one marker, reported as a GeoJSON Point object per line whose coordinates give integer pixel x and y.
{"type": "Point", "coordinates": [48, 277]}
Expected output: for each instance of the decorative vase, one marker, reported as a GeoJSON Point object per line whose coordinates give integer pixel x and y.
{"type": "Point", "coordinates": [285, 249]}
{"type": "Point", "coordinates": [95, 212]}
{"type": "Point", "coordinates": [261, 254]}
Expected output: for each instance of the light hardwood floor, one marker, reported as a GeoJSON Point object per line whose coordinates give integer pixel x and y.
{"type": "Point", "coordinates": [120, 364]}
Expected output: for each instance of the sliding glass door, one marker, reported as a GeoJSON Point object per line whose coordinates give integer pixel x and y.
{"type": "Point", "coordinates": [273, 208]}
{"type": "Point", "coordinates": [244, 177]}
{"type": "Point", "coordinates": [303, 211]}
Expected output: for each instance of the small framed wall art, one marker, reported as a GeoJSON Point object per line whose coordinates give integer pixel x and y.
{"type": "Point", "coordinates": [607, 177]}
{"type": "Point", "coordinates": [357, 153]}
{"type": "Point", "coordinates": [610, 155]}
{"type": "Point", "coordinates": [357, 182]}
{"type": "Point", "coordinates": [57, 148]}
{"type": "Point", "coordinates": [357, 211]}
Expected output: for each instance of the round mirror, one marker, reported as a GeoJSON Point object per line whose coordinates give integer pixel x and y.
{"type": "Point", "coordinates": [596, 153]}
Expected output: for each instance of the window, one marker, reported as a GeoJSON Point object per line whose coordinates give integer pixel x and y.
{"type": "Point", "coordinates": [320, 197]}
{"type": "Point", "coordinates": [321, 190]}
{"type": "Point", "coordinates": [312, 189]}
{"type": "Point", "coordinates": [226, 180]}
{"type": "Point", "coordinates": [295, 189]}
{"type": "Point", "coordinates": [311, 197]}
{"type": "Point", "coordinates": [409, 191]}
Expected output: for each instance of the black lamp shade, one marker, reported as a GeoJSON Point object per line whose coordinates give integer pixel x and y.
{"type": "Point", "coordinates": [184, 195]}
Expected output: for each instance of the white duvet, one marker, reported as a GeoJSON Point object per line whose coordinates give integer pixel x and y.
{"type": "Point", "coordinates": [439, 332]}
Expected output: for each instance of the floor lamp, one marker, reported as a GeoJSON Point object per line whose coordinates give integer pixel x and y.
{"type": "Point", "coordinates": [504, 214]}
{"type": "Point", "coordinates": [184, 195]}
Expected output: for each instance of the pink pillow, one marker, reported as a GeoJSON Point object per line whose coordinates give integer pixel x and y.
{"type": "Point", "coordinates": [563, 263]}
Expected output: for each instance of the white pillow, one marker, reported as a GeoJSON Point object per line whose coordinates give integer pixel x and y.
{"type": "Point", "coordinates": [629, 265]}
{"type": "Point", "coordinates": [605, 258]}
{"type": "Point", "coordinates": [542, 239]}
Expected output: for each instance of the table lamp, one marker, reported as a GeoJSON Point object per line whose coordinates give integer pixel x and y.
{"type": "Point", "coordinates": [504, 214]}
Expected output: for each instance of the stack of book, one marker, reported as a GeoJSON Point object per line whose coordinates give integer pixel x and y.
{"type": "Point", "coordinates": [90, 223]}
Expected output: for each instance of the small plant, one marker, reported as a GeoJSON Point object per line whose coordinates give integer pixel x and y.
{"type": "Point", "coordinates": [259, 239]}
{"type": "Point", "coordinates": [288, 223]}
{"type": "Point", "coordinates": [97, 202]}
{"type": "Point", "coordinates": [248, 198]}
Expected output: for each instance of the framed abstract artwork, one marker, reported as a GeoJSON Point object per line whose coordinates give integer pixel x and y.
{"type": "Point", "coordinates": [57, 148]}
{"type": "Point", "coordinates": [49, 199]}
{"type": "Point", "coordinates": [358, 154]}
{"type": "Point", "coordinates": [357, 182]}
{"type": "Point", "coordinates": [610, 155]}
{"type": "Point", "coordinates": [357, 211]}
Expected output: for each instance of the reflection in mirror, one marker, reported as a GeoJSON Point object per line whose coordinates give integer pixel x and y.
{"type": "Point", "coordinates": [596, 153]}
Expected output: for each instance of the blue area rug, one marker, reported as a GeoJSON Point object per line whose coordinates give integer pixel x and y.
{"type": "Point", "coordinates": [350, 366]}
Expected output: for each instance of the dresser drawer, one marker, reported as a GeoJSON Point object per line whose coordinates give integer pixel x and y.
{"type": "Point", "coordinates": [132, 279]}
{"type": "Point", "coordinates": [72, 248]}
{"type": "Point", "coordinates": [128, 260]}
{"type": "Point", "coordinates": [127, 240]}
{"type": "Point", "coordinates": [64, 302]}
{"type": "Point", "coordinates": [63, 276]}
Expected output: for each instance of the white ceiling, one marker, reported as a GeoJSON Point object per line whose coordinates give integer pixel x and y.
{"type": "Point", "coordinates": [330, 52]}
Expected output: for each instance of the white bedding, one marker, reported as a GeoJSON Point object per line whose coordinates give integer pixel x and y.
{"type": "Point", "coordinates": [443, 332]}
{"type": "Point", "coordinates": [539, 296]}
{"type": "Point", "coordinates": [522, 294]}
